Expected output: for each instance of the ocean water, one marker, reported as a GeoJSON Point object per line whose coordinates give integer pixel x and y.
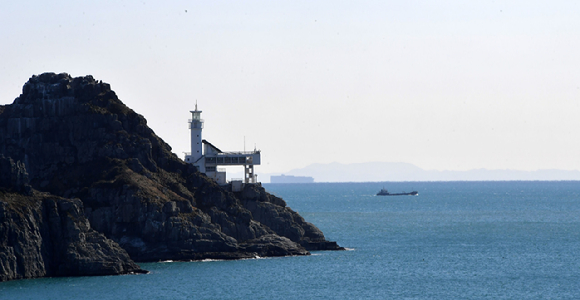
{"type": "Point", "coordinates": [456, 240]}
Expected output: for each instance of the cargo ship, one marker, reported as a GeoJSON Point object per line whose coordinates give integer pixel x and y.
{"type": "Point", "coordinates": [384, 192]}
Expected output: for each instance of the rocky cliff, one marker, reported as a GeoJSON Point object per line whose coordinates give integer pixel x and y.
{"type": "Point", "coordinates": [78, 140]}
{"type": "Point", "coordinates": [46, 235]}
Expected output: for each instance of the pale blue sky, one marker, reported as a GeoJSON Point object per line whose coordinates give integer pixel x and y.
{"type": "Point", "coordinates": [446, 85]}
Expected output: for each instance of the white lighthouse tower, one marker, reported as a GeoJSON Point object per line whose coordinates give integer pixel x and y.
{"type": "Point", "coordinates": [196, 126]}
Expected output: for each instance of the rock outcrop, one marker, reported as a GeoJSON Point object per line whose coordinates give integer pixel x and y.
{"type": "Point", "coordinates": [46, 235]}
{"type": "Point", "coordinates": [273, 212]}
{"type": "Point", "coordinates": [78, 140]}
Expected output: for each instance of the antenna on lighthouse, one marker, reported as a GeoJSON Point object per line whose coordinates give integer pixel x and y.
{"type": "Point", "coordinates": [195, 104]}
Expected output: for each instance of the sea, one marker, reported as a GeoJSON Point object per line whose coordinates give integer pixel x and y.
{"type": "Point", "coordinates": [455, 240]}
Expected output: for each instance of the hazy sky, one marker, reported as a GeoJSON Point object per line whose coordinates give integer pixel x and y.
{"type": "Point", "coordinates": [445, 85]}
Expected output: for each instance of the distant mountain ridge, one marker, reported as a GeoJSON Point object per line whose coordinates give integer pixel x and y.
{"type": "Point", "coordinates": [396, 171]}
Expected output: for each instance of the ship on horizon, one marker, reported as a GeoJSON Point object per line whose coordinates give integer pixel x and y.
{"type": "Point", "coordinates": [384, 192]}
{"type": "Point", "coordinates": [291, 179]}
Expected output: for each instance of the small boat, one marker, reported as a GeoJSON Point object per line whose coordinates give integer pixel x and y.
{"type": "Point", "coordinates": [384, 192]}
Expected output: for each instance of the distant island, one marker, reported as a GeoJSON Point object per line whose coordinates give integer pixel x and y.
{"type": "Point", "coordinates": [397, 171]}
{"type": "Point", "coordinates": [290, 179]}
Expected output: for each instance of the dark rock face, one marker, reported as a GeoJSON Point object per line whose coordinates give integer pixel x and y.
{"type": "Point", "coordinates": [45, 235]}
{"type": "Point", "coordinates": [13, 176]}
{"type": "Point", "coordinates": [77, 139]}
{"type": "Point", "coordinates": [273, 212]}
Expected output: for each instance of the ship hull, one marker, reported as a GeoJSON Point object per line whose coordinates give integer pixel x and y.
{"type": "Point", "coordinates": [398, 194]}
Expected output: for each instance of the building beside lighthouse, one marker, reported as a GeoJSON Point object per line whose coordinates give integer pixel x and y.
{"type": "Point", "coordinates": [208, 158]}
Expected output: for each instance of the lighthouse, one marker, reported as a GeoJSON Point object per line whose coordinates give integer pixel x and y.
{"type": "Point", "coordinates": [196, 154]}
{"type": "Point", "coordinates": [207, 158]}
